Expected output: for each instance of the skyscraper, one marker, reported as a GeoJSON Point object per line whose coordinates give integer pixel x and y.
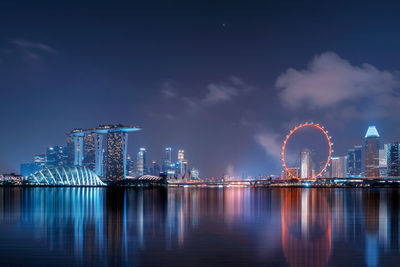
{"type": "Point", "coordinates": [195, 173]}
{"type": "Point", "coordinates": [141, 162]}
{"type": "Point", "coordinates": [93, 152]}
{"type": "Point", "coordinates": [372, 152]}
{"type": "Point", "coordinates": [155, 169]}
{"type": "Point", "coordinates": [56, 156]}
{"type": "Point", "coordinates": [180, 163]}
{"type": "Point", "coordinates": [383, 158]}
{"type": "Point", "coordinates": [393, 161]}
{"type": "Point", "coordinates": [116, 155]}
{"type": "Point", "coordinates": [168, 167]}
{"type": "Point", "coordinates": [339, 166]}
{"type": "Point", "coordinates": [306, 166]}
{"type": "Point", "coordinates": [75, 147]}
{"type": "Point", "coordinates": [88, 149]}
{"type": "Point", "coordinates": [354, 162]}
{"type": "Point", "coordinates": [27, 169]}
{"type": "Point", "coordinates": [40, 160]}
{"type": "Point", "coordinates": [130, 166]}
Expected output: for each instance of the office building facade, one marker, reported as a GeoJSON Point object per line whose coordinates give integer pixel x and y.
{"type": "Point", "coordinates": [372, 153]}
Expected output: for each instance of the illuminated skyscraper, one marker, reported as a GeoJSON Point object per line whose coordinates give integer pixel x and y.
{"type": "Point", "coordinates": [168, 154]}
{"type": "Point", "coordinates": [185, 167]}
{"type": "Point", "coordinates": [75, 147]}
{"type": "Point", "coordinates": [56, 156]}
{"type": "Point", "coordinates": [141, 162]}
{"type": "Point", "coordinates": [306, 166]}
{"type": "Point", "coordinates": [116, 155]}
{"type": "Point", "coordinates": [383, 159]}
{"type": "Point", "coordinates": [87, 146]}
{"type": "Point", "coordinates": [130, 166]}
{"type": "Point", "coordinates": [372, 152]}
{"type": "Point", "coordinates": [40, 160]}
{"type": "Point", "coordinates": [168, 167]}
{"type": "Point", "coordinates": [339, 166]}
{"type": "Point", "coordinates": [354, 162]}
{"type": "Point", "coordinates": [393, 161]}
{"type": "Point", "coordinates": [93, 152]}
{"type": "Point", "coordinates": [155, 169]}
{"type": "Point", "coordinates": [180, 164]}
{"type": "Point", "coordinates": [195, 173]}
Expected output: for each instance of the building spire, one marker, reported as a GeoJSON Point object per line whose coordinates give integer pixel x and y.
{"type": "Point", "coordinates": [372, 132]}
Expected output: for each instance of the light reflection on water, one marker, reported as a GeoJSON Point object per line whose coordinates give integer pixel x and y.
{"type": "Point", "coordinates": [188, 226]}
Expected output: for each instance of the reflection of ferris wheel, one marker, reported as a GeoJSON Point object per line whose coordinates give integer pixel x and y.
{"type": "Point", "coordinates": [323, 131]}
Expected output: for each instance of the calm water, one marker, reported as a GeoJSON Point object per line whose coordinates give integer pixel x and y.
{"type": "Point", "coordinates": [199, 227]}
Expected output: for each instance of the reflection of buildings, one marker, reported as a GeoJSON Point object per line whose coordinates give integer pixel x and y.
{"type": "Point", "coordinates": [371, 206]}
{"type": "Point", "coordinates": [118, 226]}
{"type": "Point", "coordinates": [372, 152]}
{"type": "Point", "coordinates": [306, 227]}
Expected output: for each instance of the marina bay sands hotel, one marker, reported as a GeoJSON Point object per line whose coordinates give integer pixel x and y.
{"type": "Point", "coordinates": [85, 148]}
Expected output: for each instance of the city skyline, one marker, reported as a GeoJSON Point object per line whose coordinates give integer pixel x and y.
{"type": "Point", "coordinates": [185, 80]}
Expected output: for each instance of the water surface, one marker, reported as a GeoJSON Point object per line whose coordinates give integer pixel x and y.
{"type": "Point", "coordinates": [199, 227]}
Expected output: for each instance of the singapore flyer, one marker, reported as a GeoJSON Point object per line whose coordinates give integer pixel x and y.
{"type": "Point", "coordinates": [308, 167]}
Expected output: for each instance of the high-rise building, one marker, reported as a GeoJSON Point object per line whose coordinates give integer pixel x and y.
{"type": "Point", "coordinates": [141, 162]}
{"type": "Point", "coordinates": [383, 158]}
{"type": "Point", "coordinates": [393, 161]}
{"type": "Point", "coordinates": [168, 167]}
{"type": "Point", "coordinates": [185, 167]}
{"type": "Point", "coordinates": [75, 147]}
{"type": "Point", "coordinates": [155, 169]}
{"type": "Point", "coordinates": [117, 142]}
{"type": "Point", "coordinates": [88, 149]}
{"type": "Point", "coordinates": [306, 164]}
{"type": "Point", "coordinates": [181, 155]}
{"type": "Point", "coordinates": [27, 169]}
{"type": "Point", "coordinates": [180, 164]}
{"type": "Point", "coordinates": [40, 160]}
{"type": "Point", "coordinates": [339, 166]}
{"type": "Point", "coordinates": [168, 154]}
{"type": "Point", "coordinates": [354, 162]}
{"type": "Point", "coordinates": [56, 156]}
{"type": "Point", "coordinates": [93, 152]}
{"type": "Point", "coordinates": [195, 173]}
{"type": "Point", "coordinates": [372, 152]}
{"type": "Point", "coordinates": [130, 166]}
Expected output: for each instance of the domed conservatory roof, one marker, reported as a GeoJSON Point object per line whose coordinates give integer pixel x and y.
{"type": "Point", "coordinates": [66, 176]}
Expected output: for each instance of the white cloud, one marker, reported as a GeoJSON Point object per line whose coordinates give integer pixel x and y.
{"type": "Point", "coordinates": [271, 143]}
{"type": "Point", "coordinates": [226, 91]}
{"type": "Point", "coordinates": [330, 80]}
{"type": "Point", "coordinates": [168, 89]}
{"type": "Point", "coordinates": [32, 50]}
{"type": "Point", "coordinates": [220, 93]}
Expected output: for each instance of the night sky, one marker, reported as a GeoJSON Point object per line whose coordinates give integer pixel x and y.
{"type": "Point", "coordinates": [224, 80]}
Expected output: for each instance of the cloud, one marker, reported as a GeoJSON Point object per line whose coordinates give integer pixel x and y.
{"type": "Point", "coordinates": [221, 92]}
{"type": "Point", "coordinates": [271, 143]}
{"type": "Point", "coordinates": [330, 80]}
{"type": "Point", "coordinates": [32, 50]}
{"type": "Point", "coordinates": [168, 89]}
{"type": "Point", "coordinates": [226, 91]}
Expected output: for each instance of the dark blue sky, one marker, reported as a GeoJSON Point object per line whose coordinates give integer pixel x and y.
{"type": "Point", "coordinates": [225, 80]}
